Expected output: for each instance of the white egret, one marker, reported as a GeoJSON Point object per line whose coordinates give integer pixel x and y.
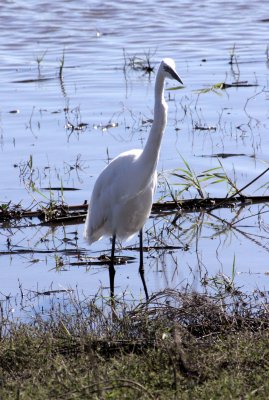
{"type": "Point", "coordinates": [122, 196]}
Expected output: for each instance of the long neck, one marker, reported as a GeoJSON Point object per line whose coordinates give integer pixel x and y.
{"type": "Point", "coordinates": [151, 151]}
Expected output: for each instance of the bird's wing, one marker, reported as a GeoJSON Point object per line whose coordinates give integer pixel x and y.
{"type": "Point", "coordinates": [115, 184]}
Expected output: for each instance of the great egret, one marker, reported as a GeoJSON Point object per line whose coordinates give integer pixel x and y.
{"type": "Point", "coordinates": [122, 196]}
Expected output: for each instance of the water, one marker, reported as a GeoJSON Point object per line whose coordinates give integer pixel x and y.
{"type": "Point", "coordinates": [96, 39]}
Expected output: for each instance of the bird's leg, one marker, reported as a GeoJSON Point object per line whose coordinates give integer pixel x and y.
{"type": "Point", "coordinates": [141, 260]}
{"type": "Point", "coordinates": [112, 274]}
{"type": "Point", "coordinates": [141, 263]}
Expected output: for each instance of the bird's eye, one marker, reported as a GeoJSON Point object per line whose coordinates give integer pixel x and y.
{"type": "Point", "coordinates": [167, 69]}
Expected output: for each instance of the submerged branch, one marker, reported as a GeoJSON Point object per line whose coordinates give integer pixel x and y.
{"type": "Point", "coordinates": [75, 214]}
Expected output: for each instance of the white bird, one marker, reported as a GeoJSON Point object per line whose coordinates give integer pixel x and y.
{"type": "Point", "coordinates": [123, 193]}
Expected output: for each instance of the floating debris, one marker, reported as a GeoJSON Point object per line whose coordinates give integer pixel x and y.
{"type": "Point", "coordinates": [104, 128]}
{"type": "Point", "coordinates": [103, 259]}
{"type": "Point", "coordinates": [59, 188]}
{"type": "Point", "coordinates": [80, 127]}
{"type": "Point", "coordinates": [14, 111]}
{"type": "Point", "coordinates": [33, 80]}
{"type": "Point", "coordinates": [204, 128]}
{"type": "Point", "coordinates": [224, 86]}
{"type": "Point", "coordinates": [137, 63]}
{"type": "Point", "coordinates": [51, 292]}
{"type": "Point", "coordinates": [225, 155]}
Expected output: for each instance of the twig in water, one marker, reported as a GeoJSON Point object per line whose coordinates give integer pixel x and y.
{"type": "Point", "coordinates": [62, 65]}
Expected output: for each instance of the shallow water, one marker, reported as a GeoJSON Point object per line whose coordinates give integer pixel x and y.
{"type": "Point", "coordinates": [37, 107]}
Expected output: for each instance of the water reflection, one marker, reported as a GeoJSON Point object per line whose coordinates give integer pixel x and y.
{"type": "Point", "coordinates": [178, 252]}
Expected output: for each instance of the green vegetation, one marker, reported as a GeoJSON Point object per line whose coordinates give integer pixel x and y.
{"type": "Point", "coordinates": [39, 60]}
{"type": "Point", "coordinates": [177, 346]}
{"type": "Point", "coordinates": [189, 179]}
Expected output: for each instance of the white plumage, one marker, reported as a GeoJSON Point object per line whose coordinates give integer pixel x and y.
{"type": "Point", "coordinates": [122, 196]}
{"type": "Point", "coordinates": [121, 201]}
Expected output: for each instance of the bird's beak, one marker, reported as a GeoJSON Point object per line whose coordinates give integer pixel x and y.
{"type": "Point", "coordinates": [177, 77]}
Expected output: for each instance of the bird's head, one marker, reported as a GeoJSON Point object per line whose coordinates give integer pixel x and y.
{"type": "Point", "coordinates": [169, 69]}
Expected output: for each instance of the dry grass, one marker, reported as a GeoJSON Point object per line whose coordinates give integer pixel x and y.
{"type": "Point", "coordinates": [176, 346]}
